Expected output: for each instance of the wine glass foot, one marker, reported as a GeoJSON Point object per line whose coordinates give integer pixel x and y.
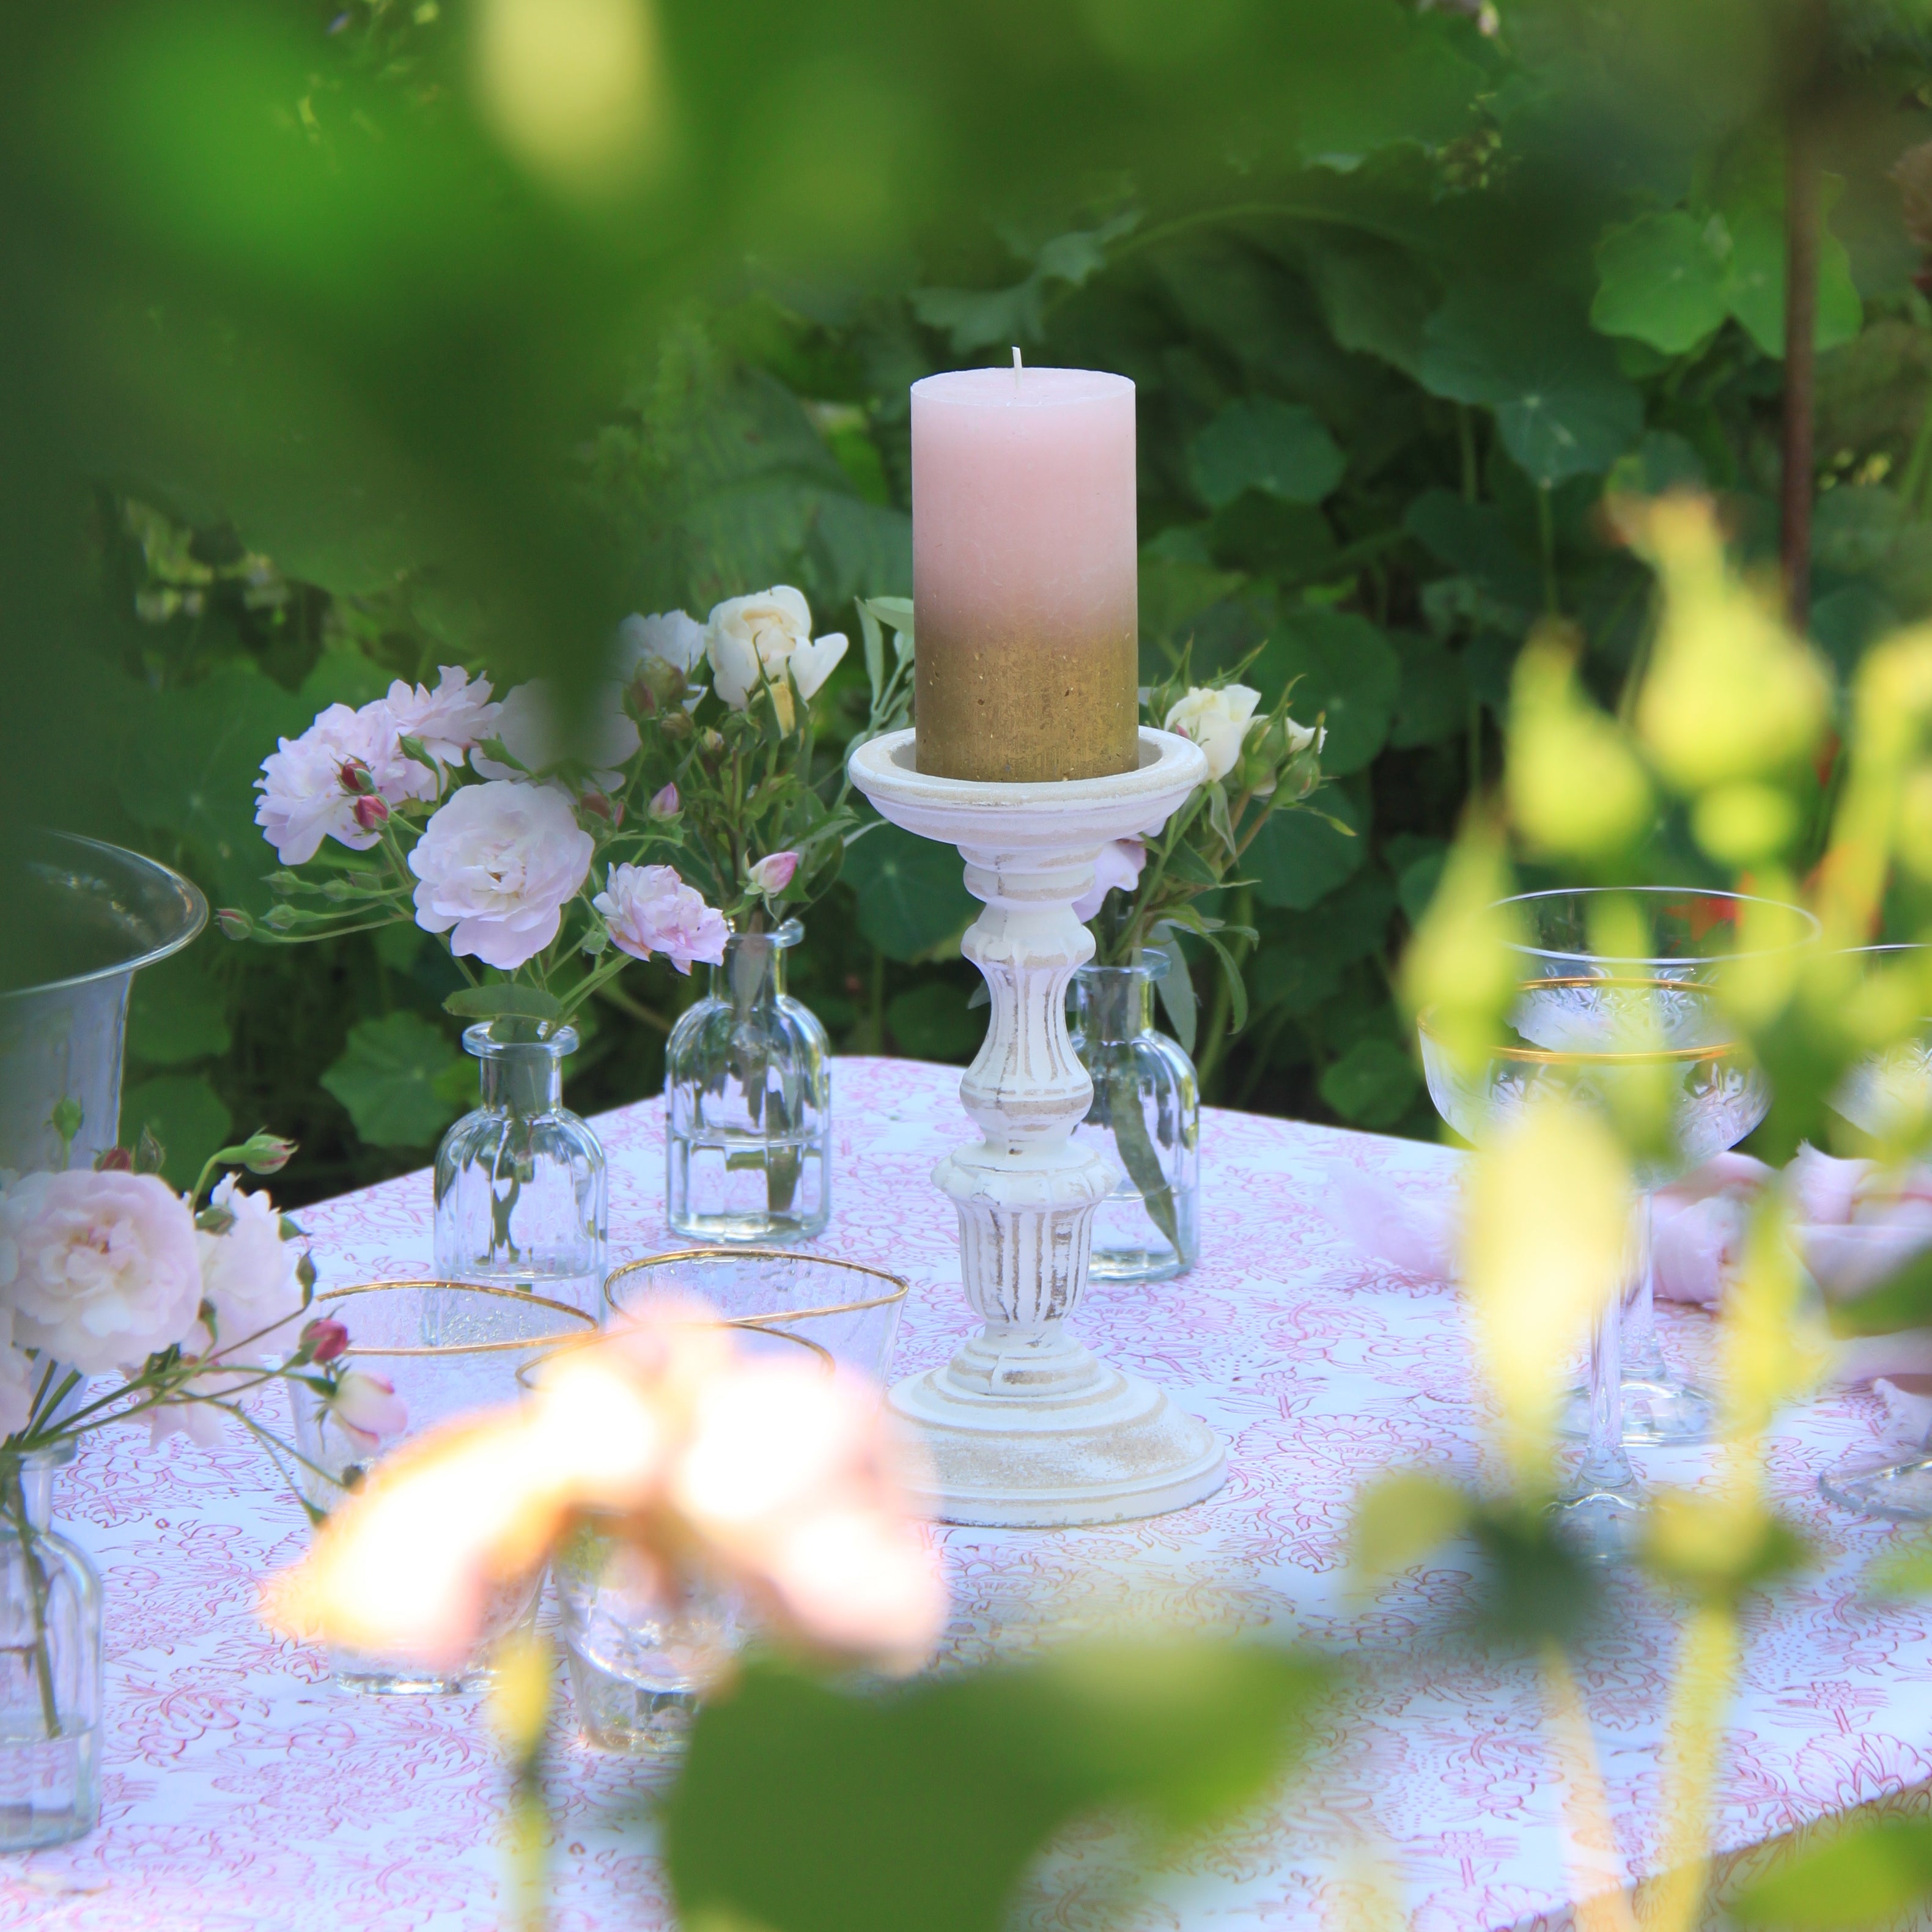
{"type": "Point", "coordinates": [1900, 1492]}
{"type": "Point", "coordinates": [1601, 1524]}
{"type": "Point", "coordinates": [1658, 1413]}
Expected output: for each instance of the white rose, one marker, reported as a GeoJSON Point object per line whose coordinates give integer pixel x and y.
{"type": "Point", "coordinates": [1217, 721]}
{"type": "Point", "coordinates": [498, 863]}
{"type": "Point", "coordinates": [248, 1277]}
{"type": "Point", "coordinates": [305, 799]}
{"type": "Point", "coordinates": [528, 728]}
{"type": "Point", "coordinates": [756, 640]}
{"type": "Point", "coordinates": [106, 1270]}
{"type": "Point", "coordinates": [673, 638]}
{"type": "Point", "coordinates": [1300, 737]}
{"type": "Point", "coordinates": [447, 721]}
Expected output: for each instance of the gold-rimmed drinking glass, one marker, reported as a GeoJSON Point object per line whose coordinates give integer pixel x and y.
{"type": "Point", "coordinates": [1655, 938]}
{"type": "Point", "coordinates": [1705, 1082]}
{"type": "Point", "coordinates": [443, 1349]}
{"type": "Point", "coordinates": [639, 1668]}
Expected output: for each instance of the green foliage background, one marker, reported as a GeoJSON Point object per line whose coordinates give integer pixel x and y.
{"type": "Point", "coordinates": [1404, 291]}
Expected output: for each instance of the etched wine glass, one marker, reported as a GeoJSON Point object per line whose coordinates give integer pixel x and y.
{"type": "Point", "coordinates": [1651, 939]}
{"type": "Point", "coordinates": [1710, 1093]}
{"type": "Point", "coordinates": [1888, 1096]}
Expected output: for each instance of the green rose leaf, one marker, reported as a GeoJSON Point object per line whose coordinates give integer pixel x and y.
{"type": "Point", "coordinates": [1258, 443]}
{"type": "Point", "coordinates": [1562, 406]}
{"type": "Point", "coordinates": [502, 1002]}
{"type": "Point", "coordinates": [1663, 279]}
{"type": "Point", "coordinates": [912, 896]}
{"type": "Point", "coordinates": [387, 1078]}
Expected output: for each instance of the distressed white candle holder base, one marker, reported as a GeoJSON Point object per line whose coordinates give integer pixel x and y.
{"type": "Point", "coordinates": [1025, 1425]}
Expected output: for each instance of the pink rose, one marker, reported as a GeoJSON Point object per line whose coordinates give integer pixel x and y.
{"type": "Point", "coordinates": [773, 873]}
{"type": "Point", "coordinates": [650, 910]}
{"type": "Point", "coordinates": [447, 721]}
{"type": "Point", "coordinates": [100, 1269]}
{"type": "Point", "coordinates": [497, 864]}
{"type": "Point", "coordinates": [1117, 868]}
{"type": "Point", "coordinates": [368, 1410]}
{"type": "Point", "coordinates": [305, 798]}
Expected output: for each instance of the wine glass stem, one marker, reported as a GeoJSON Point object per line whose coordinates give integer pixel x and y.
{"type": "Point", "coordinates": [1643, 1359]}
{"type": "Point", "coordinates": [1605, 1466]}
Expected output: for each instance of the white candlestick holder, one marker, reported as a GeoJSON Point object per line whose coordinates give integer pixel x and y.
{"type": "Point", "coordinates": [1026, 1426]}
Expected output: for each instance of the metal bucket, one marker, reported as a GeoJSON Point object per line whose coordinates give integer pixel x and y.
{"type": "Point", "coordinates": [77, 919]}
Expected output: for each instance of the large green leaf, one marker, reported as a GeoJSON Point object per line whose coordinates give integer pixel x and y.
{"type": "Point", "coordinates": [192, 766]}
{"type": "Point", "coordinates": [387, 1079]}
{"type": "Point", "coordinates": [1298, 859]}
{"type": "Point", "coordinates": [1372, 1084]}
{"type": "Point", "coordinates": [934, 1022]}
{"type": "Point", "coordinates": [185, 1113]}
{"type": "Point", "coordinates": [1664, 280]}
{"type": "Point", "coordinates": [1872, 1873]}
{"type": "Point", "coordinates": [1348, 669]}
{"type": "Point", "coordinates": [176, 1011]}
{"type": "Point", "coordinates": [804, 1809]}
{"type": "Point", "coordinates": [911, 892]}
{"type": "Point", "coordinates": [1258, 443]}
{"type": "Point", "coordinates": [1562, 405]}
{"type": "Point", "coordinates": [1757, 283]}
{"type": "Point", "coordinates": [1377, 297]}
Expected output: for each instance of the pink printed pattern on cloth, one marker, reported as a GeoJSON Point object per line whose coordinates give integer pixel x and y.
{"type": "Point", "coordinates": [243, 1790]}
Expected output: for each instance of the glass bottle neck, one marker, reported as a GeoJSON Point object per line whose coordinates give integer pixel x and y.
{"type": "Point", "coordinates": [521, 1076]}
{"type": "Point", "coordinates": [1116, 1003]}
{"type": "Point", "coordinates": [752, 974]}
{"type": "Point", "coordinates": [28, 1482]}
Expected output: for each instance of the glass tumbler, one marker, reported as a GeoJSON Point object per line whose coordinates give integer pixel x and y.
{"type": "Point", "coordinates": [443, 1349]}
{"type": "Point", "coordinates": [639, 1668]}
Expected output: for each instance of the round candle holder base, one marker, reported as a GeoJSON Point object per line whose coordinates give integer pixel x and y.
{"type": "Point", "coordinates": [1025, 1426]}
{"type": "Point", "coordinates": [1029, 1429]}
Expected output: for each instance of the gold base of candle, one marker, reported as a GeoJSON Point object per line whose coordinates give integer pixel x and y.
{"type": "Point", "coordinates": [1020, 710]}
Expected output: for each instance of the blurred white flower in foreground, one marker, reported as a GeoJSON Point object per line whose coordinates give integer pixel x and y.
{"type": "Point", "coordinates": [699, 1460]}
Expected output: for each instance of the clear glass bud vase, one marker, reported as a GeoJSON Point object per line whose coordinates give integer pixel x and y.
{"type": "Point", "coordinates": [748, 1094]}
{"type": "Point", "coordinates": [50, 1665]}
{"type": "Point", "coordinates": [521, 1193]}
{"type": "Point", "coordinates": [1145, 1117]}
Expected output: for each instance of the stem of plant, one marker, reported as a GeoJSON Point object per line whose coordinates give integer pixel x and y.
{"type": "Point", "coordinates": [36, 1583]}
{"type": "Point", "coordinates": [1801, 230]}
{"type": "Point", "coordinates": [1546, 538]}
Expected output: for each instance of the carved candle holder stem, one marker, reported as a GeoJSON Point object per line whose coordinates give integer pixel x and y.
{"type": "Point", "coordinates": [1026, 1425]}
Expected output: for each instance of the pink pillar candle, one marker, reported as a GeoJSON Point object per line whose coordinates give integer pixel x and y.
{"type": "Point", "coordinates": [1024, 574]}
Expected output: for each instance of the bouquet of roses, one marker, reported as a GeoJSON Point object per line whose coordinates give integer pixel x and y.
{"type": "Point", "coordinates": [552, 848]}
{"type": "Point", "coordinates": [1145, 889]}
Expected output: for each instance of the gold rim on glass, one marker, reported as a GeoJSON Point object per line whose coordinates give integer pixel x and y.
{"type": "Point", "coordinates": [778, 1317]}
{"type": "Point", "coordinates": [527, 1297]}
{"type": "Point", "coordinates": [826, 1359]}
{"type": "Point", "coordinates": [1539, 1056]}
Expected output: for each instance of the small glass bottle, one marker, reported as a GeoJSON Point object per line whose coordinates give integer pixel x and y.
{"type": "Point", "coordinates": [1145, 1117]}
{"type": "Point", "coordinates": [50, 1658]}
{"type": "Point", "coordinates": [748, 1091]}
{"type": "Point", "coordinates": [521, 1193]}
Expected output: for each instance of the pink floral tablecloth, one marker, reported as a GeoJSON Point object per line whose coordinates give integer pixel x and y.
{"type": "Point", "coordinates": [243, 1791]}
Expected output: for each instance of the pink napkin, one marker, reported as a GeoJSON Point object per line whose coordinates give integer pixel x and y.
{"type": "Point", "coordinates": [1856, 1226]}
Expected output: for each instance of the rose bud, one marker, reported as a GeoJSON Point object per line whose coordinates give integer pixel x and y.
{"type": "Point", "coordinates": [114, 1160]}
{"type": "Point", "coordinates": [772, 873]}
{"type": "Point", "coordinates": [355, 776]}
{"type": "Point", "coordinates": [264, 1153]}
{"type": "Point", "coordinates": [325, 1339]}
{"type": "Point", "coordinates": [370, 811]}
{"type": "Point", "coordinates": [677, 726]}
{"type": "Point", "coordinates": [596, 805]}
{"type": "Point", "coordinates": [237, 925]}
{"type": "Point", "coordinates": [664, 805]}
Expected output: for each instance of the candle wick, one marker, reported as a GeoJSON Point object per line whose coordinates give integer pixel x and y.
{"type": "Point", "coordinates": [1018, 365]}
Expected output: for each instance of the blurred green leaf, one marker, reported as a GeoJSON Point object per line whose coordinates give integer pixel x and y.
{"type": "Point", "coordinates": [803, 1809]}
{"type": "Point", "coordinates": [185, 1113]}
{"type": "Point", "coordinates": [1562, 406]}
{"type": "Point", "coordinates": [1475, 539]}
{"type": "Point", "coordinates": [1872, 1874]}
{"type": "Point", "coordinates": [1756, 288]}
{"type": "Point", "coordinates": [1401, 1519]}
{"type": "Point", "coordinates": [912, 893]}
{"type": "Point", "coordinates": [176, 1011]}
{"type": "Point", "coordinates": [1298, 859]}
{"type": "Point", "coordinates": [1663, 279]}
{"type": "Point", "coordinates": [1372, 1084]}
{"type": "Point", "coordinates": [1434, 701]}
{"type": "Point", "coordinates": [1348, 669]}
{"type": "Point", "coordinates": [1260, 444]}
{"type": "Point", "coordinates": [387, 1078]}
